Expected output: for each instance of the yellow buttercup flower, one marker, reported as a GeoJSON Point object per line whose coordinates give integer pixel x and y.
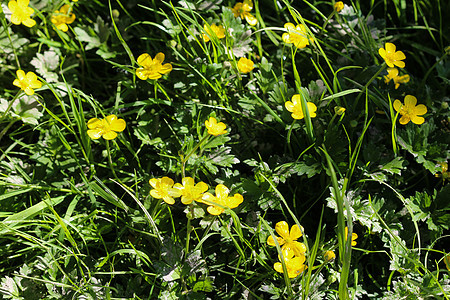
{"type": "Point", "coordinates": [354, 236]}
{"type": "Point", "coordinates": [392, 57]}
{"type": "Point", "coordinates": [447, 261]}
{"type": "Point", "coordinates": [163, 189]}
{"type": "Point", "coordinates": [393, 75]}
{"type": "Point", "coordinates": [339, 110]}
{"type": "Point", "coordinates": [294, 265]}
{"type": "Point", "coordinates": [445, 174]}
{"type": "Point", "coordinates": [409, 110]}
{"type": "Point", "coordinates": [338, 6]}
{"type": "Point", "coordinates": [152, 68]}
{"type": "Point", "coordinates": [106, 128]}
{"type": "Point", "coordinates": [288, 239]}
{"type": "Point", "coordinates": [221, 199]}
{"type": "Point", "coordinates": [295, 107]}
{"type": "Point", "coordinates": [245, 65]}
{"type": "Point", "coordinates": [190, 191]}
{"type": "Point", "coordinates": [329, 255]}
{"type": "Point", "coordinates": [21, 13]}
{"type": "Point", "coordinates": [62, 17]}
{"type": "Point", "coordinates": [296, 35]}
{"type": "Point", "coordinates": [215, 30]}
{"type": "Point", "coordinates": [27, 82]}
{"type": "Point", "coordinates": [215, 128]}
{"type": "Point", "coordinates": [242, 9]}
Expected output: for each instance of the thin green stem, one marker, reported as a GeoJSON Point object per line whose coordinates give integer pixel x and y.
{"type": "Point", "coordinates": [185, 158]}
{"type": "Point", "coordinates": [363, 90]}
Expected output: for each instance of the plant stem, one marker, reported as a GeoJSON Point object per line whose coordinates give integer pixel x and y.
{"type": "Point", "coordinates": [185, 159]}
{"type": "Point", "coordinates": [383, 67]}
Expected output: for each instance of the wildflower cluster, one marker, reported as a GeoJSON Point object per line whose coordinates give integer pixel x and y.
{"type": "Point", "coordinates": [166, 189]}
{"type": "Point", "coordinates": [293, 252]}
{"type": "Point", "coordinates": [408, 111]}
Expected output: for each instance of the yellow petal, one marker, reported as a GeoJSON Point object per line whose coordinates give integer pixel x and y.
{"type": "Point", "coordinates": [12, 5]}
{"type": "Point", "coordinates": [144, 60]}
{"type": "Point", "coordinates": [118, 125]}
{"type": "Point", "coordinates": [271, 241]}
{"type": "Point", "coordinates": [169, 200]}
{"type": "Point", "coordinates": [167, 181]}
{"type": "Point", "coordinates": [201, 187]}
{"type": "Point", "coordinates": [382, 52]}
{"type": "Point", "coordinates": [420, 109]}
{"type": "Point", "coordinates": [286, 38]}
{"type": "Point", "coordinates": [215, 210]}
{"type": "Point", "coordinates": [404, 119]}
{"type": "Point", "coordinates": [155, 194]}
{"type": "Point", "coordinates": [153, 182]}
{"type": "Point", "coordinates": [94, 133]}
{"type": "Point", "coordinates": [410, 101]}
{"type": "Point", "coordinates": [296, 99]}
{"type": "Point", "coordinates": [29, 91]}
{"type": "Point", "coordinates": [208, 198]}
{"type": "Point", "coordinates": [166, 68]}
{"type": "Point", "coordinates": [278, 267]}
{"type": "Point", "coordinates": [251, 19]}
{"type": "Point", "coordinates": [110, 135]}
{"type": "Point", "coordinates": [222, 191]}
{"type": "Point", "coordinates": [417, 120]}
{"type": "Point", "coordinates": [159, 57]}
{"type": "Point", "coordinates": [289, 106]}
{"type": "Point", "coordinates": [141, 73]}
{"type": "Point", "coordinates": [282, 228]}
{"type": "Point", "coordinates": [390, 48]}
{"type": "Point", "coordinates": [94, 123]}
{"type": "Point", "coordinates": [29, 22]}
{"type": "Point", "coordinates": [234, 201]}
{"type": "Point", "coordinates": [397, 105]}
{"type": "Point", "coordinates": [399, 55]}
{"type": "Point", "coordinates": [154, 76]}
{"type": "Point", "coordinates": [20, 74]}
{"type": "Point", "coordinates": [295, 232]}
{"type": "Point", "coordinates": [311, 109]}
{"type": "Point", "coordinates": [399, 63]}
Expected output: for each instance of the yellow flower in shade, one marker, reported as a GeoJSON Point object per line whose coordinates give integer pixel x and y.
{"type": "Point", "coordinates": [409, 110]}
{"type": "Point", "coordinates": [152, 68]}
{"type": "Point", "coordinates": [447, 261]}
{"type": "Point", "coordinates": [445, 174]}
{"type": "Point", "coordinates": [163, 189]}
{"type": "Point", "coordinates": [354, 236]}
{"type": "Point", "coordinates": [339, 110]}
{"type": "Point", "coordinates": [329, 255]}
{"type": "Point", "coordinates": [190, 191]}
{"type": "Point", "coordinates": [296, 35]}
{"type": "Point", "coordinates": [294, 265]}
{"type": "Point", "coordinates": [215, 30]}
{"type": "Point", "coordinates": [242, 9]}
{"type": "Point", "coordinates": [221, 199]}
{"type": "Point", "coordinates": [21, 13]}
{"type": "Point", "coordinates": [393, 75]}
{"type": "Point", "coordinates": [62, 17]}
{"type": "Point", "coordinates": [245, 65]}
{"type": "Point", "coordinates": [288, 240]}
{"type": "Point", "coordinates": [338, 6]}
{"type": "Point", "coordinates": [215, 128]}
{"type": "Point", "coordinates": [295, 107]}
{"type": "Point", "coordinates": [106, 128]}
{"type": "Point", "coordinates": [27, 82]}
{"type": "Point", "coordinates": [392, 57]}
